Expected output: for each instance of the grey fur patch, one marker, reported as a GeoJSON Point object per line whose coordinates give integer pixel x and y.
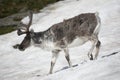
{"type": "Point", "coordinates": [81, 25]}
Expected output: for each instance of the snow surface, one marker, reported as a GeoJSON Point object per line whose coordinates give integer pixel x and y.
{"type": "Point", "coordinates": [34, 63]}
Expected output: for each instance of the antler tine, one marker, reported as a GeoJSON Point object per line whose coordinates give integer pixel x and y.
{"type": "Point", "coordinates": [30, 21]}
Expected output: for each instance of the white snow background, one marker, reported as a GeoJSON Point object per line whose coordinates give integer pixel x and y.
{"type": "Point", "coordinates": [34, 63]}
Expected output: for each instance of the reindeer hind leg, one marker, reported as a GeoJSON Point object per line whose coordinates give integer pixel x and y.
{"type": "Point", "coordinates": [90, 55]}
{"type": "Point", "coordinates": [95, 44]}
{"type": "Point", "coordinates": [97, 48]}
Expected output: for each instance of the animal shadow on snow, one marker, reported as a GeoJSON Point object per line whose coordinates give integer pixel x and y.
{"type": "Point", "coordinates": [75, 65]}
{"type": "Point", "coordinates": [114, 53]}
{"type": "Point", "coordinates": [67, 67]}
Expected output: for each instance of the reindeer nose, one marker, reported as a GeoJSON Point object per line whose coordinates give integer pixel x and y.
{"type": "Point", "coordinates": [21, 48]}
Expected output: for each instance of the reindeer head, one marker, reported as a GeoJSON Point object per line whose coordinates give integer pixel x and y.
{"type": "Point", "coordinates": [24, 29]}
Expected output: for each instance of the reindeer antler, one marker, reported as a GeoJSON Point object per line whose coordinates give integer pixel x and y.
{"type": "Point", "coordinates": [30, 21]}
{"type": "Point", "coordinates": [24, 26]}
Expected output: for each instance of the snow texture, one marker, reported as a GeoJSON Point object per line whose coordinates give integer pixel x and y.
{"type": "Point", "coordinates": [34, 63]}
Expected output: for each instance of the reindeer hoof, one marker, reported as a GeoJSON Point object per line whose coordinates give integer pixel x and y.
{"type": "Point", "coordinates": [50, 72]}
{"type": "Point", "coordinates": [91, 57]}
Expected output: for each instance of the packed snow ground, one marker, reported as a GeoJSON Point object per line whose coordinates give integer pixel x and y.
{"type": "Point", "coordinates": [34, 63]}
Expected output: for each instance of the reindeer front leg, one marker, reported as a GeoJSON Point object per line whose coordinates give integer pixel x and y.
{"type": "Point", "coordinates": [55, 54]}
{"type": "Point", "coordinates": [67, 56]}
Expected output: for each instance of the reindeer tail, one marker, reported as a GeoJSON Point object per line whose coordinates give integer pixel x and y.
{"type": "Point", "coordinates": [97, 29]}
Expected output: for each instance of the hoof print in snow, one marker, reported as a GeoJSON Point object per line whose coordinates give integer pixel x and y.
{"type": "Point", "coordinates": [75, 65]}
{"type": "Point", "coordinates": [38, 75]}
{"type": "Point", "coordinates": [67, 67]}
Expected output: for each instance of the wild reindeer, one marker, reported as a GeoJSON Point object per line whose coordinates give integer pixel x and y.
{"type": "Point", "coordinates": [71, 32]}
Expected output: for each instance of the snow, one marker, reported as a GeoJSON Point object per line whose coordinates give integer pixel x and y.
{"type": "Point", "coordinates": [34, 63]}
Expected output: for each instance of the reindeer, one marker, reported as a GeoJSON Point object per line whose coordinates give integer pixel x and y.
{"type": "Point", "coordinates": [61, 36]}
